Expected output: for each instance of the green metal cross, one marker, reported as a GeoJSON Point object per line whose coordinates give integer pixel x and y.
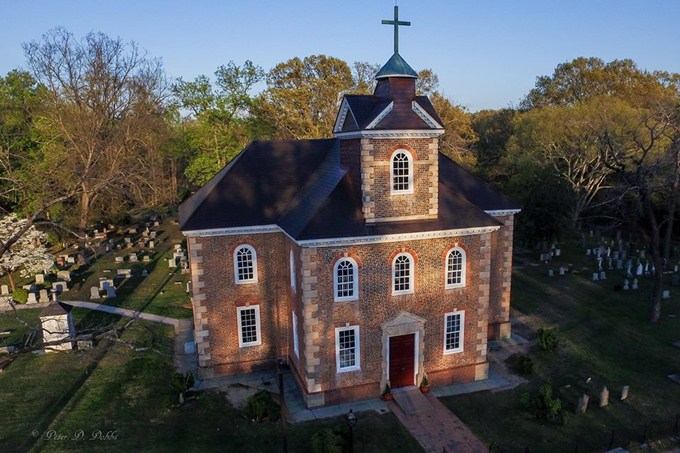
{"type": "Point", "coordinates": [396, 22]}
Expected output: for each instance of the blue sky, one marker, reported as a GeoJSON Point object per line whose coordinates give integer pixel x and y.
{"type": "Point", "coordinates": [487, 53]}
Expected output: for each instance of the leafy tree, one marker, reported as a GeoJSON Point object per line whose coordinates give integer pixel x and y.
{"type": "Point", "coordinates": [493, 129]}
{"type": "Point", "coordinates": [220, 124]}
{"type": "Point", "coordinates": [28, 253]}
{"type": "Point", "coordinates": [103, 118]}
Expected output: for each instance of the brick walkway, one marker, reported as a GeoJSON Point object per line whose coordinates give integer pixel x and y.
{"type": "Point", "coordinates": [433, 425]}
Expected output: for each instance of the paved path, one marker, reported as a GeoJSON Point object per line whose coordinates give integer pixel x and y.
{"type": "Point", "coordinates": [126, 312]}
{"type": "Point", "coordinates": [433, 425]}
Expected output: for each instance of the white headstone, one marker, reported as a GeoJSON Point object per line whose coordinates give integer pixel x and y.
{"type": "Point", "coordinates": [639, 270]}
{"type": "Point", "coordinates": [44, 297]}
{"type": "Point", "coordinates": [4, 290]}
{"type": "Point", "coordinates": [110, 292]}
{"type": "Point", "coordinates": [550, 273]}
{"type": "Point", "coordinates": [146, 258]}
{"type": "Point", "coordinates": [588, 252]}
{"type": "Point", "coordinates": [666, 294]}
{"type": "Point", "coordinates": [133, 257]}
{"type": "Point", "coordinates": [64, 275]}
{"type": "Point", "coordinates": [39, 279]}
{"type": "Point", "coordinates": [596, 276]}
{"type": "Point", "coordinates": [562, 270]}
{"type": "Point", "coordinates": [119, 259]}
{"type": "Point", "coordinates": [94, 293]}
{"type": "Point", "coordinates": [172, 262]}
{"type": "Point", "coordinates": [626, 285]}
{"type": "Point", "coordinates": [635, 283]}
{"type": "Point", "coordinates": [603, 275]}
{"type": "Point", "coordinates": [31, 299]}
{"type": "Point", "coordinates": [60, 287]}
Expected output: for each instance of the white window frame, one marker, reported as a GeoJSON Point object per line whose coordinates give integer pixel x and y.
{"type": "Point", "coordinates": [409, 157]}
{"type": "Point", "coordinates": [357, 349]}
{"type": "Point", "coordinates": [293, 276]}
{"type": "Point", "coordinates": [463, 264]}
{"type": "Point", "coordinates": [410, 274]}
{"type": "Point", "coordinates": [461, 332]}
{"type": "Point", "coordinates": [296, 340]}
{"type": "Point", "coordinates": [238, 280]}
{"type": "Point", "coordinates": [258, 329]}
{"type": "Point", "coordinates": [355, 280]}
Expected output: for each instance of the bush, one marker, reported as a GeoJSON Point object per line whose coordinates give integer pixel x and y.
{"type": "Point", "coordinates": [327, 441]}
{"type": "Point", "coordinates": [542, 405]}
{"type": "Point", "coordinates": [261, 406]}
{"type": "Point", "coordinates": [20, 295]}
{"type": "Point", "coordinates": [525, 364]}
{"type": "Point", "coordinates": [547, 339]}
{"type": "Point", "coordinates": [181, 383]}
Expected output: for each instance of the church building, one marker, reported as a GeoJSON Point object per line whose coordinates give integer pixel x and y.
{"type": "Point", "coordinates": [359, 260]}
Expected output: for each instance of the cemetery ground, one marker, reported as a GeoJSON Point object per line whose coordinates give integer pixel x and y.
{"type": "Point", "coordinates": [119, 396]}
{"type": "Point", "coordinates": [605, 339]}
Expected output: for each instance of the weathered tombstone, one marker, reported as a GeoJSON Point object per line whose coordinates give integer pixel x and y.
{"type": "Point", "coordinates": [588, 252]}
{"type": "Point", "coordinates": [582, 405]}
{"type": "Point", "coordinates": [70, 260]}
{"type": "Point", "coordinates": [639, 270]}
{"type": "Point", "coordinates": [145, 273]}
{"type": "Point", "coordinates": [133, 257]}
{"type": "Point", "coordinates": [31, 299]}
{"type": "Point", "coordinates": [562, 270]}
{"type": "Point", "coordinates": [4, 290]}
{"type": "Point", "coordinates": [127, 273]}
{"type": "Point", "coordinates": [156, 223]}
{"type": "Point", "coordinates": [145, 233]}
{"type": "Point", "coordinates": [44, 297]}
{"type": "Point", "coordinates": [624, 392]}
{"type": "Point", "coordinates": [60, 287]}
{"type": "Point", "coordinates": [64, 275]}
{"type": "Point", "coordinates": [603, 275]}
{"type": "Point", "coordinates": [110, 292]}
{"type": "Point", "coordinates": [132, 230]}
{"type": "Point", "coordinates": [550, 273]}
{"type": "Point", "coordinates": [152, 244]}
{"type": "Point", "coordinates": [604, 396]}
{"type": "Point", "coordinates": [119, 259]}
{"type": "Point", "coordinates": [94, 293]}
{"type": "Point", "coordinates": [626, 285]}
{"type": "Point", "coordinates": [635, 283]}
{"type": "Point", "coordinates": [146, 258]}
{"type": "Point", "coordinates": [39, 279]}
{"type": "Point", "coordinates": [152, 235]}
{"type": "Point", "coordinates": [599, 264]}
{"type": "Point", "coordinates": [619, 264]}
{"type": "Point", "coordinates": [172, 262]}
{"type": "Point", "coordinates": [104, 283]}
{"type": "Point", "coordinates": [57, 326]}
{"type": "Point", "coordinates": [666, 294]}
{"type": "Point", "coordinates": [616, 254]}
{"type": "Point", "coordinates": [557, 252]}
{"type": "Point", "coordinates": [596, 276]}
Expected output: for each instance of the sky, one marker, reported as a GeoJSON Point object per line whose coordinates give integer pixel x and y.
{"type": "Point", "coordinates": [487, 54]}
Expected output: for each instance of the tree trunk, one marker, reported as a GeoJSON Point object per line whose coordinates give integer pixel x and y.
{"type": "Point", "coordinates": [672, 205]}
{"type": "Point", "coordinates": [12, 285]}
{"type": "Point", "coordinates": [655, 246]}
{"type": "Point", "coordinates": [85, 201]}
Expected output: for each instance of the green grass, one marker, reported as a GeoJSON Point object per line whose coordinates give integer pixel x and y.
{"type": "Point", "coordinates": [605, 336]}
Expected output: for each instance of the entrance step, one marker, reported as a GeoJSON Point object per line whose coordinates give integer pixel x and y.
{"type": "Point", "coordinates": [411, 401]}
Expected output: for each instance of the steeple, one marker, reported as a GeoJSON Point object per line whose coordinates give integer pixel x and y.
{"type": "Point", "coordinates": [396, 66]}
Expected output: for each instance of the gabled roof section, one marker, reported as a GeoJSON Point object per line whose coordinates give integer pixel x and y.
{"type": "Point", "coordinates": [477, 191]}
{"type": "Point", "coordinates": [257, 187]}
{"type": "Point", "coordinates": [373, 112]}
{"type": "Point", "coordinates": [396, 66]}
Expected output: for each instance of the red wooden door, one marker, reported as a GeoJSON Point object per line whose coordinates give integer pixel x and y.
{"type": "Point", "coordinates": [402, 350]}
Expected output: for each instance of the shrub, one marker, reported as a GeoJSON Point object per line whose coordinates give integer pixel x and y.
{"type": "Point", "coordinates": [547, 339]}
{"type": "Point", "coordinates": [181, 383]}
{"type": "Point", "coordinates": [261, 406]}
{"type": "Point", "coordinates": [425, 382]}
{"type": "Point", "coordinates": [387, 389]}
{"type": "Point", "coordinates": [542, 405]}
{"type": "Point", "coordinates": [327, 441]}
{"type": "Point", "coordinates": [20, 295]}
{"type": "Point", "coordinates": [525, 364]}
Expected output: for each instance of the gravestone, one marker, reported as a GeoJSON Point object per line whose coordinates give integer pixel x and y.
{"type": "Point", "coordinates": [104, 283]}
{"type": "Point", "coordinates": [132, 230]}
{"type": "Point", "coordinates": [146, 258]}
{"type": "Point", "coordinates": [603, 275]}
{"type": "Point", "coordinates": [94, 293]}
{"type": "Point", "coordinates": [562, 270]}
{"type": "Point", "coordinates": [119, 259]}
{"type": "Point", "coordinates": [4, 290]}
{"type": "Point", "coordinates": [604, 396]}
{"type": "Point", "coordinates": [44, 296]}
{"type": "Point", "coordinates": [666, 294]}
{"type": "Point", "coordinates": [624, 392]}
{"type": "Point", "coordinates": [145, 273]}
{"type": "Point", "coordinates": [635, 283]}
{"type": "Point", "coordinates": [619, 264]}
{"type": "Point", "coordinates": [557, 252]}
{"type": "Point", "coordinates": [596, 276]}
{"type": "Point", "coordinates": [64, 275]}
{"type": "Point", "coordinates": [39, 279]}
{"type": "Point", "coordinates": [60, 287]}
{"type": "Point", "coordinates": [615, 255]}
{"type": "Point", "coordinates": [152, 235]}
{"type": "Point", "coordinates": [127, 273]}
{"type": "Point", "coordinates": [639, 270]}
{"type": "Point", "coordinates": [133, 257]}
{"type": "Point", "coordinates": [172, 262]}
{"type": "Point", "coordinates": [70, 260]}
{"type": "Point", "coordinates": [110, 292]}
{"type": "Point", "coordinates": [152, 244]}
{"type": "Point", "coordinates": [626, 285]}
{"type": "Point", "coordinates": [588, 252]}
{"type": "Point", "coordinates": [188, 287]}
{"type": "Point", "coordinates": [31, 299]}
{"type": "Point", "coordinates": [550, 273]}
{"type": "Point", "coordinates": [582, 405]}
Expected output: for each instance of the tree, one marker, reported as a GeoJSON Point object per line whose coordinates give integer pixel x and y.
{"type": "Point", "coordinates": [493, 129]}
{"type": "Point", "coordinates": [28, 253]}
{"type": "Point", "coordinates": [303, 96]}
{"type": "Point", "coordinates": [221, 123]}
{"type": "Point", "coordinates": [103, 118]}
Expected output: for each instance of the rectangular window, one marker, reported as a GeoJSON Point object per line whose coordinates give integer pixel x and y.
{"type": "Point", "coordinates": [249, 326]}
{"type": "Point", "coordinates": [453, 332]}
{"type": "Point", "coordinates": [347, 349]}
{"type": "Point", "coordinates": [296, 341]}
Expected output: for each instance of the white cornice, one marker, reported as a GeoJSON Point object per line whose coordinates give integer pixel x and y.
{"type": "Point", "coordinates": [344, 108]}
{"type": "Point", "coordinates": [503, 212]}
{"type": "Point", "coordinates": [392, 133]}
{"type": "Point", "coordinates": [380, 116]}
{"type": "Point", "coordinates": [232, 231]}
{"type": "Point", "coordinates": [425, 116]}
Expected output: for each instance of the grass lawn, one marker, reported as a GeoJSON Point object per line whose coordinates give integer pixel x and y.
{"type": "Point", "coordinates": [605, 340]}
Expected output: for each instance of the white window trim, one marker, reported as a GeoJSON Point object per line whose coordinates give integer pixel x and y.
{"type": "Point", "coordinates": [236, 277]}
{"type": "Point", "coordinates": [293, 276]}
{"type": "Point", "coordinates": [410, 275]}
{"type": "Point", "coordinates": [355, 282]}
{"type": "Point", "coordinates": [462, 332]}
{"type": "Point", "coordinates": [410, 173]}
{"type": "Point", "coordinates": [357, 349]}
{"type": "Point", "coordinates": [463, 280]}
{"type": "Point", "coordinates": [296, 340]}
{"type": "Point", "coordinates": [258, 328]}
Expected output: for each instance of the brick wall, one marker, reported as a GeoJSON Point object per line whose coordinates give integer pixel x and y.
{"type": "Point", "coordinates": [501, 277]}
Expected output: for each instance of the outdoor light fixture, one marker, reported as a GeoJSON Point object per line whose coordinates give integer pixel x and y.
{"type": "Point", "coordinates": [351, 421]}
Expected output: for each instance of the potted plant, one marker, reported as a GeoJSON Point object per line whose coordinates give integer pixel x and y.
{"type": "Point", "coordinates": [387, 393]}
{"type": "Point", "coordinates": [424, 384]}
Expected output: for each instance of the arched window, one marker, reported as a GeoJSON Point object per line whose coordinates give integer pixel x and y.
{"type": "Point", "coordinates": [401, 169]}
{"type": "Point", "coordinates": [345, 280]}
{"type": "Point", "coordinates": [245, 264]}
{"type": "Point", "coordinates": [402, 274]}
{"type": "Point", "coordinates": [455, 268]}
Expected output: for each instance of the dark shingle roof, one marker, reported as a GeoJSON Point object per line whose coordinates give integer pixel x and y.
{"type": "Point", "coordinates": [365, 108]}
{"type": "Point", "coordinates": [396, 66]}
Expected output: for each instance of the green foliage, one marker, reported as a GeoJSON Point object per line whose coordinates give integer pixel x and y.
{"type": "Point", "coordinates": [525, 364]}
{"type": "Point", "coordinates": [20, 295]}
{"type": "Point", "coordinates": [542, 405]}
{"type": "Point", "coordinates": [547, 339]}
{"type": "Point", "coordinates": [261, 406]}
{"type": "Point", "coordinates": [424, 382]}
{"type": "Point", "coordinates": [387, 389]}
{"type": "Point", "coordinates": [327, 441]}
{"type": "Point", "coordinates": [181, 383]}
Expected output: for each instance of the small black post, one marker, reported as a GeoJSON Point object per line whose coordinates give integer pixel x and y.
{"type": "Point", "coordinates": [611, 440]}
{"type": "Point", "coordinates": [351, 421]}
{"type": "Point", "coordinates": [284, 438]}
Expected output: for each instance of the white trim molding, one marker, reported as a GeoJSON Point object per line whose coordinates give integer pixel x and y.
{"type": "Point", "coordinates": [380, 116]}
{"type": "Point", "coordinates": [463, 265]}
{"type": "Point", "coordinates": [342, 114]}
{"type": "Point", "coordinates": [499, 213]}
{"type": "Point", "coordinates": [409, 277]}
{"type": "Point", "coordinates": [392, 133]}
{"type": "Point", "coordinates": [460, 332]}
{"type": "Point", "coordinates": [354, 283]}
{"type": "Point", "coordinates": [357, 349]}
{"type": "Point", "coordinates": [258, 329]}
{"type": "Point", "coordinates": [409, 176]}
{"type": "Point", "coordinates": [422, 113]}
{"type": "Point", "coordinates": [238, 266]}
{"type": "Point", "coordinates": [232, 231]}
